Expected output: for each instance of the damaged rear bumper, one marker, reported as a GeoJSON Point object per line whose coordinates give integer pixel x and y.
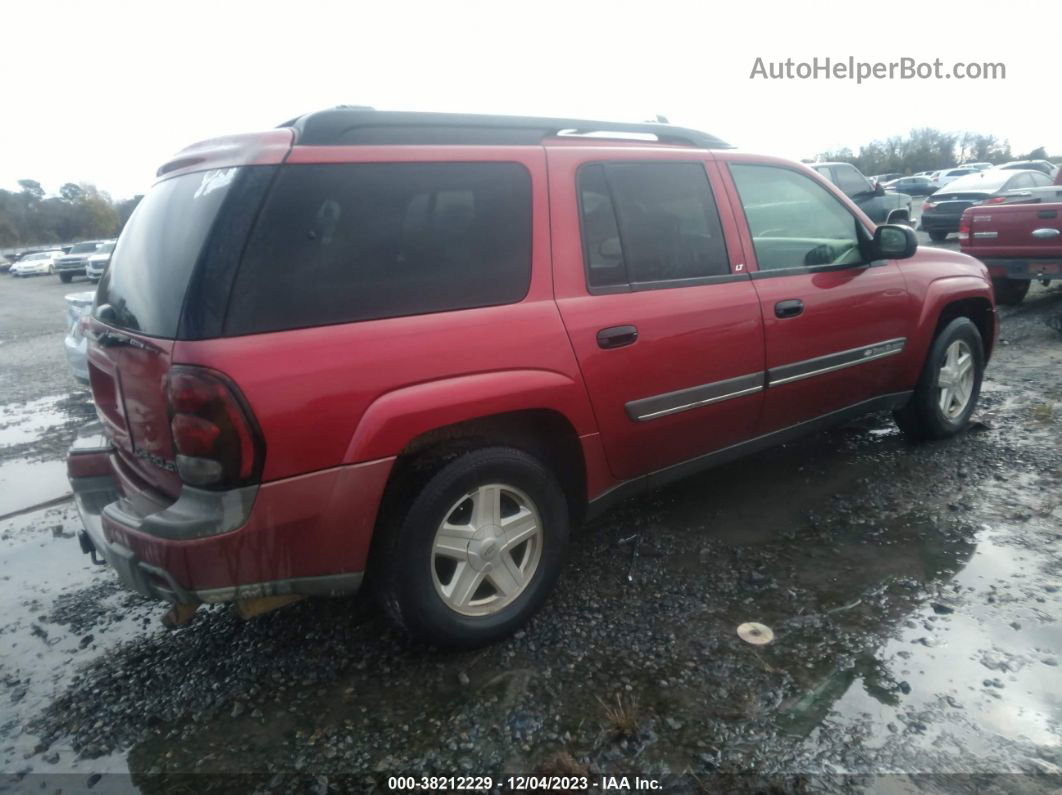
{"type": "Point", "coordinates": [307, 535]}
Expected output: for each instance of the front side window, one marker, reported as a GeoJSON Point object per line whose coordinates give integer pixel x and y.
{"type": "Point", "coordinates": [649, 224]}
{"type": "Point", "coordinates": [358, 241]}
{"type": "Point", "coordinates": [794, 221]}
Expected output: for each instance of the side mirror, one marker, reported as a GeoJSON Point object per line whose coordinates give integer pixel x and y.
{"type": "Point", "coordinates": [894, 241]}
{"type": "Point", "coordinates": [879, 190]}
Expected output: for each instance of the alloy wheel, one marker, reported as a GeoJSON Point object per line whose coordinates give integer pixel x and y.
{"type": "Point", "coordinates": [486, 550]}
{"type": "Point", "coordinates": [955, 380]}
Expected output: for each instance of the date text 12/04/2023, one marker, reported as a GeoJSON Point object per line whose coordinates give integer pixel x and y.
{"type": "Point", "coordinates": [602, 783]}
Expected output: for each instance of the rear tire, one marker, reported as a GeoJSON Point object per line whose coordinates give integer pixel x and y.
{"type": "Point", "coordinates": [950, 383]}
{"type": "Point", "coordinates": [477, 551]}
{"type": "Point", "coordinates": [937, 235]}
{"type": "Point", "coordinates": [65, 278]}
{"type": "Point", "coordinates": [1010, 292]}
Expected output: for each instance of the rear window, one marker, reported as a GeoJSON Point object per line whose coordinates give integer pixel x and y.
{"type": "Point", "coordinates": [153, 259]}
{"type": "Point", "coordinates": [348, 242]}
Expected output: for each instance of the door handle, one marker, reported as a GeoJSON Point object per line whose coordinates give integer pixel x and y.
{"type": "Point", "coordinates": [790, 308]}
{"type": "Point", "coordinates": [616, 336]}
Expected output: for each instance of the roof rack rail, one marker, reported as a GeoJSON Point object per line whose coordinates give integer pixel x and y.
{"type": "Point", "coordinates": [354, 125]}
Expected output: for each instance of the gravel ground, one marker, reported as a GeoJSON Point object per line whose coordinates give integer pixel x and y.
{"type": "Point", "coordinates": [913, 592]}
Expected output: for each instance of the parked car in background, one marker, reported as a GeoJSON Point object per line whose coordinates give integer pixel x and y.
{"type": "Point", "coordinates": [37, 263]}
{"type": "Point", "coordinates": [73, 264]}
{"type": "Point", "coordinates": [942, 211]}
{"type": "Point", "coordinates": [451, 352]}
{"type": "Point", "coordinates": [97, 262]}
{"type": "Point", "coordinates": [1043, 166]}
{"type": "Point", "coordinates": [1019, 243]}
{"type": "Point", "coordinates": [912, 186]}
{"type": "Point", "coordinates": [881, 207]}
{"type": "Point", "coordinates": [949, 175]}
{"type": "Point", "coordinates": [78, 305]}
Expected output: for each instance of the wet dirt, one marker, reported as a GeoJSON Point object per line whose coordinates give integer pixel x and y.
{"type": "Point", "coordinates": [913, 593]}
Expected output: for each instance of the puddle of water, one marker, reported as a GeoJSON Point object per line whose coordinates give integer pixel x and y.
{"type": "Point", "coordinates": [992, 669]}
{"type": "Point", "coordinates": [24, 483]}
{"type": "Point", "coordinates": [26, 422]}
{"type": "Point", "coordinates": [40, 563]}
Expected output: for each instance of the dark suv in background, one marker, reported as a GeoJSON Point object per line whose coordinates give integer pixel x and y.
{"type": "Point", "coordinates": [881, 207]}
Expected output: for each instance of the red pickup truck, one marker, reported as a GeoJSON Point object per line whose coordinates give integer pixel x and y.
{"type": "Point", "coordinates": [1018, 242]}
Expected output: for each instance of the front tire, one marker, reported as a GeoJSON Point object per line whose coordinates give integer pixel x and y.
{"type": "Point", "coordinates": [949, 385]}
{"type": "Point", "coordinates": [938, 235]}
{"type": "Point", "coordinates": [477, 551]}
{"type": "Point", "coordinates": [1010, 292]}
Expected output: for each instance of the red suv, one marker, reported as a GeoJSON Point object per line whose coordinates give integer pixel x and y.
{"type": "Point", "coordinates": [419, 347]}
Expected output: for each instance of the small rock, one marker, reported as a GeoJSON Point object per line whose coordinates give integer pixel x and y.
{"type": "Point", "coordinates": [52, 758]}
{"type": "Point", "coordinates": [462, 677]}
{"type": "Point", "coordinates": [905, 688]}
{"type": "Point", "coordinates": [85, 641]}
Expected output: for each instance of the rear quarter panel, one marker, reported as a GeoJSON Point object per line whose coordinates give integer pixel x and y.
{"type": "Point", "coordinates": [355, 392]}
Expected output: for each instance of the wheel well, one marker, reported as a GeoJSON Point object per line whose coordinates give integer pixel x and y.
{"type": "Point", "coordinates": [897, 215]}
{"type": "Point", "coordinates": [543, 433]}
{"type": "Point", "coordinates": [979, 310]}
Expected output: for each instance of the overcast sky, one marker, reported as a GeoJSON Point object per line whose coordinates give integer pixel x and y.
{"type": "Point", "coordinates": [104, 92]}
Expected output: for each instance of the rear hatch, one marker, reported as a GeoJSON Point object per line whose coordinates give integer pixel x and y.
{"type": "Point", "coordinates": [1016, 231]}
{"type": "Point", "coordinates": [137, 314]}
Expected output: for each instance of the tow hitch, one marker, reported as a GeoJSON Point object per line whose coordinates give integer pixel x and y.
{"type": "Point", "coordinates": [89, 548]}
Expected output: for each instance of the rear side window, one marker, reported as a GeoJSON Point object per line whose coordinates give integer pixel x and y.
{"type": "Point", "coordinates": [649, 224]}
{"type": "Point", "coordinates": [348, 242]}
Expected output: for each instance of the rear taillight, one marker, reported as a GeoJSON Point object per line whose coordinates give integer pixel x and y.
{"type": "Point", "coordinates": [964, 227]}
{"type": "Point", "coordinates": [927, 205]}
{"type": "Point", "coordinates": [217, 441]}
{"type": "Point", "coordinates": [995, 200]}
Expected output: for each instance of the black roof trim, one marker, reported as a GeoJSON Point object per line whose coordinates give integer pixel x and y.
{"type": "Point", "coordinates": [348, 125]}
